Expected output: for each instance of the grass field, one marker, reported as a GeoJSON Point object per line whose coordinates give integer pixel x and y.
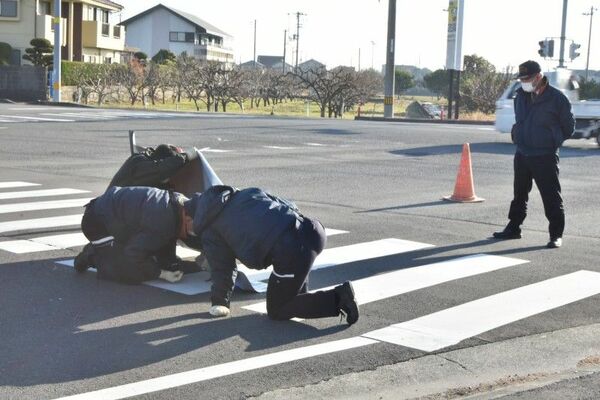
{"type": "Point", "coordinates": [299, 108]}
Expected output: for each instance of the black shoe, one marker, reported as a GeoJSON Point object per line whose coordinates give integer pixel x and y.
{"type": "Point", "coordinates": [508, 233]}
{"type": "Point", "coordinates": [554, 243]}
{"type": "Point", "coordinates": [346, 302]}
{"type": "Point", "coordinates": [83, 260]}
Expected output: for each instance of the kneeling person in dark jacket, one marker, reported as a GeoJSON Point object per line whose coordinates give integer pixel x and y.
{"type": "Point", "coordinates": [132, 232]}
{"type": "Point", "coordinates": [152, 167]}
{"type": "Point", "coordinates": [260, 229]}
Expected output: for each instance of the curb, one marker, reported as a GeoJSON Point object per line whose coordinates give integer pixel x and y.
{"type": "Point", "coordinates": [425, 121]}
{"type": "Point", "coordinates": [61, 104]}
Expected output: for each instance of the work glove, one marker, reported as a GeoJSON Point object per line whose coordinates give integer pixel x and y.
{"type": "Point", "coordinates": [171, 276]}
{"type": "Point", "coordinates": [219, 311]}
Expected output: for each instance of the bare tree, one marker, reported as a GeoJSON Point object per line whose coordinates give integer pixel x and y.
{"type": "Point", "coordinates": [132, 76]}
{"type": "Point", "coordinates": [189, 73]}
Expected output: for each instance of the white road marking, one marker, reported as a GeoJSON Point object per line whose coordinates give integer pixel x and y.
{"type": "Point", "coordinates": [24, 246]}
{"type": "Point", "coordinates": [315, 144]}
{"type": "Point", "coordinates": [390, 284]}
{"type": "Point", "coordinates": [220, 370]}
{"type": "Point", "coordinates": [37, 118]}
{"type": "Point", "coordinates": [16, 184]}
{"type": "Point", "coordinates": [43, 205]}
{"type": "Point", "coordinates": [209, 150]}
{"type": "Point", "coordinates": [39, 223]}
{"type": "Point", "coordinates": [333, 232]}
{"type": "Point", "coordinates": [279, 147]}
{"type": "Point", "coordinates": [453, 325]}
{"type": "Point", "coordinates": [190, 284]}
{"type": "Point", "coordinates": [249, 279]}
{"type": "Point", "coordinates": [40, 193]}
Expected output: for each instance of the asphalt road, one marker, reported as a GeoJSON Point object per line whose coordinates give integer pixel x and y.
{"type": "Point", "coordinates": [64, 334]}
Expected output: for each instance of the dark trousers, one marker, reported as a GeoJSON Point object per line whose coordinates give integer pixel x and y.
{"type": "Point", "coordinates": [293, 256]}
{"type": "Point", "coordinates": [544, 171]}
{"type": "Point", "coordinates": [107, 253]}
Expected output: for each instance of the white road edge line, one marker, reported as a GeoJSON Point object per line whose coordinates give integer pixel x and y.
{"type": "Point", "coordinates": [16, 184]}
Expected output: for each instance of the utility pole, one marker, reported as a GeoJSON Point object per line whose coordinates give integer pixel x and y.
{"type": "Point", "coordinates": [284, 48]}
{"type": "Point", "coordinates": [587, 62]}
{"type": "Point", "coordinates": [57, 47]}
{"type": "Point", "coordinates": [359, 58]}
{"type": "Point", "coordinates": [372, 51]}
{"type": "Point", "coordinates": [388, 100]}
{"type": "Point", "coordinates": [563, 30]}
{"type": "Point", "coordinates": [254, 64]}
{"type": "Point", "coordinates": [297, 37]}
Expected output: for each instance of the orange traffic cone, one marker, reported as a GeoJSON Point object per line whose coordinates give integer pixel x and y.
{"type": "Point", "coordinates": [463, 189]}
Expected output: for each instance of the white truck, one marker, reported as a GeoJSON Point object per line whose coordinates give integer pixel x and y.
{"type": "Point", "coordinates": [587, 112]}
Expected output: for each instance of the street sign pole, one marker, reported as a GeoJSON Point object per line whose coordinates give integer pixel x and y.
{"type": "Point", "coordinates": [388, 100]}
{"type": "Point", "coordinates": [56, 84]}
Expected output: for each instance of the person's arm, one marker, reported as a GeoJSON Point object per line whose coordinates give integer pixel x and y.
{"type": "Point", "coordinates": [223, 269]}
{"type": "Point", "coordinates": [567, 121]}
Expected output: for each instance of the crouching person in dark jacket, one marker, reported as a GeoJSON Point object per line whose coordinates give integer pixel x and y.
{"type": "Point", "coordinates": [261, 230]}
{"type": "Point", "coordinates": [152, 167]}
{"type": "Point", "coordinates": [132, 232]}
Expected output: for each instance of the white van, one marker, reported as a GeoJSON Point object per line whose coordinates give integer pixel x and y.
{"type": "Point", "coordinates": [587, 113]}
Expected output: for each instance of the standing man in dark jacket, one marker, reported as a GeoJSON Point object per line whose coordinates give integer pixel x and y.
{"type": "Point", "coordinates": [260, 229]}
{"type": "Point", "coordinates": [543, 122]}
{"type": "Point", "coordinates": [131, 232]}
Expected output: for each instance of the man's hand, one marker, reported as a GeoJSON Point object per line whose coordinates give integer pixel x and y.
{"type": "Point", "coordinates": [219, 311]}
{"type": "Point", "coordinates": [171, 276]}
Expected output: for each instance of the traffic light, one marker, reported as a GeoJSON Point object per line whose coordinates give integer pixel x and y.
{"type": "Point", "coordinates": [573, 53]}
{"type": "Point", "coordinates": [546, 48]}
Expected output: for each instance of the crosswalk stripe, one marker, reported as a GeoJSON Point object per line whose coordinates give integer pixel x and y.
{"type": "Point", "coordinates": [39, 223]}
{"type": "Point", "coordinates": [37, 118]}
{"type": "Point", "coordinates": [220, 370]}
{"type": "Point", "coordinates": [390, 284]}
{"type": "Point", "coordinates": [43, 205]}
{"type": "Point", "coordinates": [249, 279]}
{"type": "Point", "coordinates": [24, 246]}
{"type": "Point", "coordinates": [453, 325]}
{"type": "Point", "coordinates": [40, 193]}
{"type": "Point", "coordinates": [9, 185]}
{"type": "Point", "coordinates": [191, 284]}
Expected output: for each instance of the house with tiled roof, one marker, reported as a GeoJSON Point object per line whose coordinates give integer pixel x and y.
{"type": "Point", "coordinates": [163, 27]}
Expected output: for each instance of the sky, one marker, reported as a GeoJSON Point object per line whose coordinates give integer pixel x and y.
{"type": "Point", "coordinates": [335, 32]}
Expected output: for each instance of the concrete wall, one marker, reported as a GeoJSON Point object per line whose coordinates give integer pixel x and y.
{"type": "Point", "coordinates": [23, 83]}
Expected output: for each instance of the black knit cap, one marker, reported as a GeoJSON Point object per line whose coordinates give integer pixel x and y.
{"type": "Point", "coordinates": [528, 69]}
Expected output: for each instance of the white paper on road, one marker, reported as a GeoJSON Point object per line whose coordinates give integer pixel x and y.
{"type": "Point", "coordinates": [40, 193]}
{"type": "Point", "coordinates": [390, 284]}
{"type": "Point", "coordinates": [220, 370]}
{"type": "Point", "coordinates": [43, 205]}
{"type": "Point", "coordinates": [7, 185]}
{"type": "Point", "coordinates": [40, 223]}
{"type": "Point", "coordinates": [451, 326]}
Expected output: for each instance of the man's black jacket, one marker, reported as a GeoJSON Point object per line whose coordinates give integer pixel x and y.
{"type": "Point", "coordinates": [143, 220]}
{"type": "Point", "coordinates": [242, 224]}
{"type": "Point", "coordinates": [543, 122]}
{"type": "Point", "coordinates": [142, 169]}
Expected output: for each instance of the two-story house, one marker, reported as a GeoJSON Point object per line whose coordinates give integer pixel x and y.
{"type": "Point", "coordinates": [162, 27]}
{"type": "Point", "coordinates": [87, 34]}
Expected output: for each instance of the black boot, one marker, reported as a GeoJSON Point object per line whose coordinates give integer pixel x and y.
{"type": "Point", "coordinates": [83, 261]}
{"type": "Point", "coordinates": [346, 303]}
{"type": "Point", "coordinates": [510, 232]}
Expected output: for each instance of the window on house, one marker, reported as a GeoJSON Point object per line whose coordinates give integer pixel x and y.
{"type": "Point", "coordinates": [44, 8]}
{"type": "Point", "coordinates": [8, 8]}
{"type": "Point", "coordinates": [182, 37]}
